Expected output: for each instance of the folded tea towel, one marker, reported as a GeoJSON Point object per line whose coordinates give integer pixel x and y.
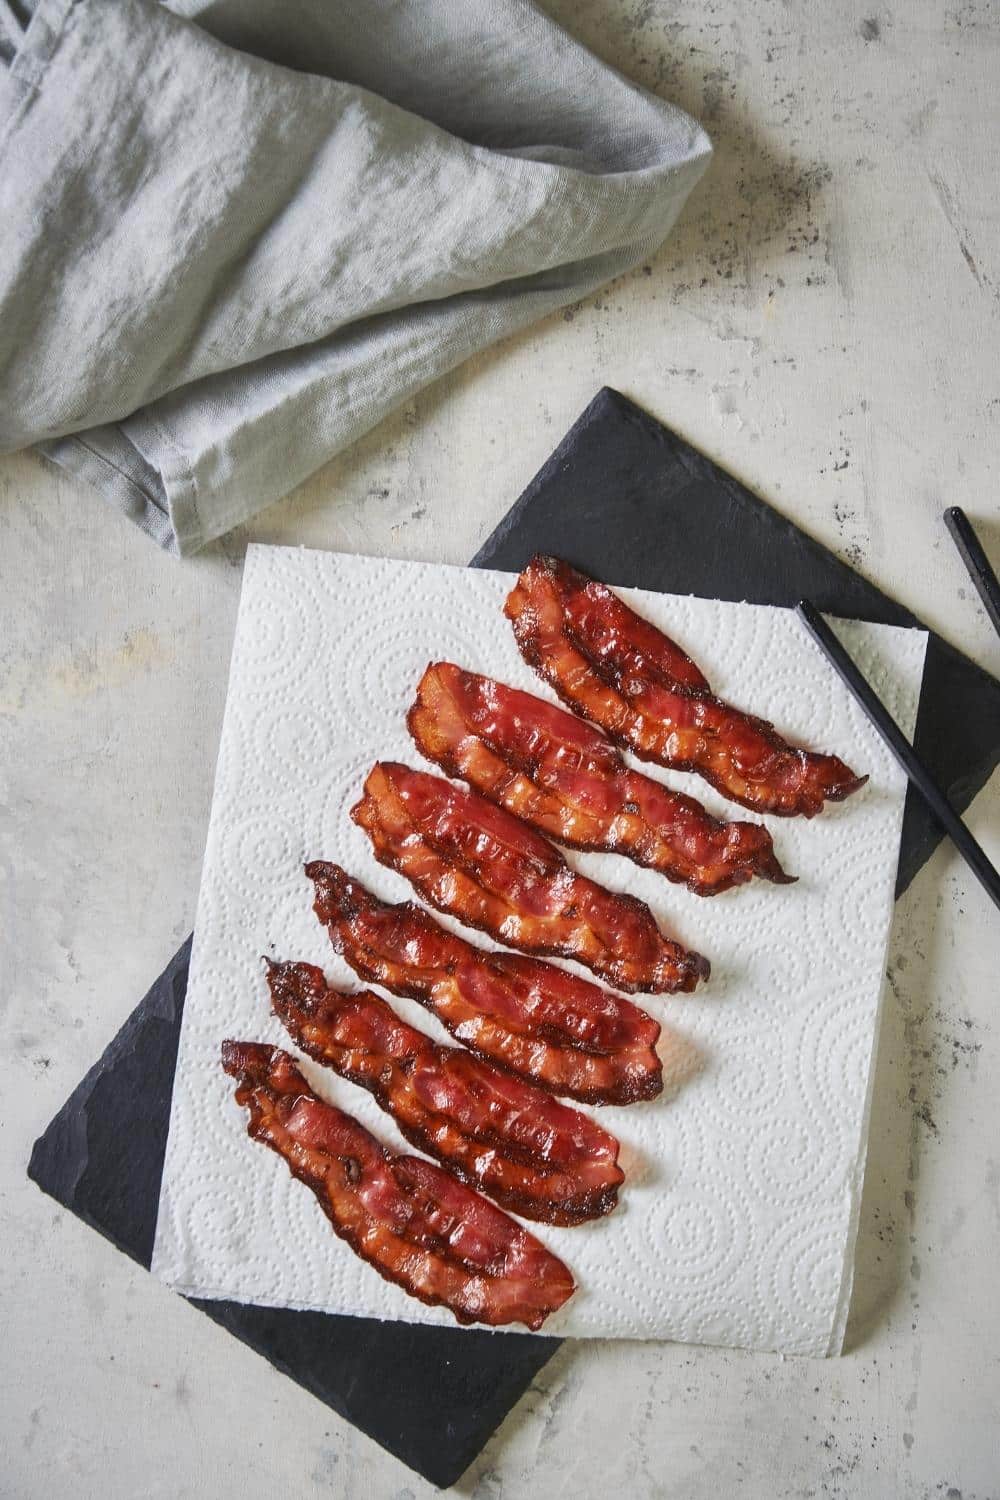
{"type": "Point", "coordinates": [237, 232]}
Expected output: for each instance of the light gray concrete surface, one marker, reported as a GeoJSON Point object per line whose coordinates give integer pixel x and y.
{"type": "Point", "coordinates": [825, 322]}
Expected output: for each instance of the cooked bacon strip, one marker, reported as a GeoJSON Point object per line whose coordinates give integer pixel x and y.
{"type": "Point", "coordinates": [623, 674]}
{"type": "Point", "coordinates": [531, 1154]}
{"type": "Point", "coordinates": [484, 866]}
{"type": "Point", "coordinates": [415, 1223]}
{"type": "Point", "coordinates": [565, 779]}
{"type": "Point", "coordinates": [554, 1029]}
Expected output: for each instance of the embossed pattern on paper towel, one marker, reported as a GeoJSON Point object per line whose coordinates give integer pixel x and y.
{"type": "Point", "coordinates": [736, 1219]}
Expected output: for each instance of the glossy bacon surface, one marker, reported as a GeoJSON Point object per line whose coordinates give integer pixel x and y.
{"type": "Point", "coordinates": [479, 863]}
{"type": "Point", "coordinates": [617, 670]}
{"type": "Point", "coordinates": [564, 778]}
{"type": "Point", "coordinates": [554, 1029]}
{"type": "Point", "coordinates": [533, 1155]}
{"type": "Point", "coordinates": [415, 1223]}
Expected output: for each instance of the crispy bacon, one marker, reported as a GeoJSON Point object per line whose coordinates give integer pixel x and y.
{"type": "Point", "coordinates": [531, 1154]}
{"type": "Point", "coordinates": [484, 866]}
{"type": "Point", "coordinates": [552, 1028]}
{"type": "Point", "coordinates": [415, 1223]}
{"type": "Point", "coordinates": [564, 778]}
{"type": "Point", "coordinates": [623, 674]}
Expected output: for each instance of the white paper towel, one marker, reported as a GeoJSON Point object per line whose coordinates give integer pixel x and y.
{"type": "Point", "coordinates": [738, 1215]}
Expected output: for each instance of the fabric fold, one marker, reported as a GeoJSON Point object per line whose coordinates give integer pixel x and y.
{"type": "Point", "coordinates": [238, 234]}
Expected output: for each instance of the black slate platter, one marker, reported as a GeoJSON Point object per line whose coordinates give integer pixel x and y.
{"type": "Point", "coordinates": [629, 501]}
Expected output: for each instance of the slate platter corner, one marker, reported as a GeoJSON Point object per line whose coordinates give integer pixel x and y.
{"type": "Point", "coordinates": [429, 1395]}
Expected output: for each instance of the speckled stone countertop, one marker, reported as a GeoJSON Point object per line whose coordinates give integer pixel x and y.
{"type": "Point", "coordinates": [824, 322]}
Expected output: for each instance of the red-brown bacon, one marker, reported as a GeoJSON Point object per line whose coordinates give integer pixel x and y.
{"type": "Point", "coordinates": [564, 778]}
{"type": "Point", "coordinates": [533, 1155]}
{"type": "Point", "coordinates": [623, 674]}
{"type": "Point", "coordinates": [415, 1223]}
{"type": "Point", "coordinates": [552, 1028]}
{"type": "Point", "coordinates": [479, 863]}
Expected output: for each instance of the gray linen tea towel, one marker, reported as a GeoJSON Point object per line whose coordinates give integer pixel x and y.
{"type": "Point", "coordinates": [236, 233]}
